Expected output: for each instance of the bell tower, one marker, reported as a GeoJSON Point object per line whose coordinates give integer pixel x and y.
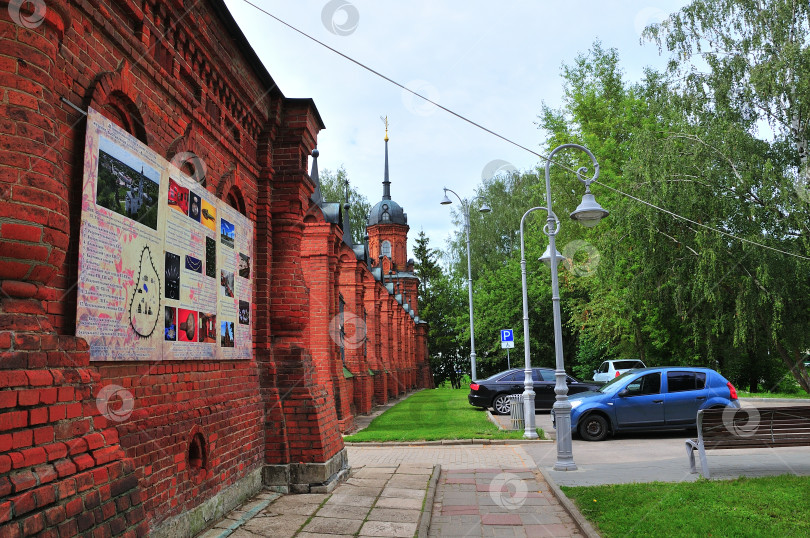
{"type": "Point", "coordinates": [387, 227]}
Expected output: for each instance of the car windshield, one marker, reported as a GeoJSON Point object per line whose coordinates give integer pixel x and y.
{"type": "Point", "coordinates": [613, 384]}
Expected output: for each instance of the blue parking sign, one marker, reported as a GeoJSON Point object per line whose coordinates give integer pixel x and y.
{"type": "Point", "coordinates": [507, 339]}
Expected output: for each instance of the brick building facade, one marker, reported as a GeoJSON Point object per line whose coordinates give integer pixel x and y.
{"type": "Point", "coordinates": [181, 441]}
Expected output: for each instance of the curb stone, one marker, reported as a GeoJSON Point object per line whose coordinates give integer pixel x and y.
{"type": "Point", "coordinates": [493, 420]}
{"type": "Point", "coordinates": [799, 401]}
{"type": "Point", "coordinates": [427, 512]}
{"type": "Point", "coordinates": [584, 526]}
{"type": "Point", "coordinates": [452, 442]}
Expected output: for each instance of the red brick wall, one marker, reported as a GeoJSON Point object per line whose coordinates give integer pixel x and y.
{"type": "Point", "coordinates": [356, 342]}
{"type": "Point", "coordinates": [104, 447]}
{"type": "Point", "coordinates": [307, 426]}
{"type": "Point", "coordinates": [107, 55]}
{"type": "Point", "coordinates": [373, 292]}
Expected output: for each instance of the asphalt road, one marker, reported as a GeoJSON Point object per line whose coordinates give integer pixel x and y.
{"type": "Point", "coordinates": [661, 456]}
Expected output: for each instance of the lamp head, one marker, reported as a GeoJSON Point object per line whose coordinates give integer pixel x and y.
{"type": "Point", "coordinates": [546, 257]}
{"type": "Point", "coordinates": [589, 212]}
{"type": "Point", "coordinates": [485, 208]}
{"type": "Point", "coordinates": [446, 200]}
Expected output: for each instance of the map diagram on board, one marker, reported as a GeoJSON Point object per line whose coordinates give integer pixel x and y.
{"type": "Point", "coordinates": [144, 304]}
{"type": "Point", "coordinates": [164, 265]}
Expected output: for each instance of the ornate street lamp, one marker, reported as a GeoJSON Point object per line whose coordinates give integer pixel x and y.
{"type": "Point", "coordinates": [465, 205]}
{"type": "Point", "coordinates": [588, 213]}
{"type": "Point", "coordinates": [528, 383]}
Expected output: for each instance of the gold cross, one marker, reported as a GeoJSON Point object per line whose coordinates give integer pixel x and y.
{"type": "Point", "coordinates": [385, 121]}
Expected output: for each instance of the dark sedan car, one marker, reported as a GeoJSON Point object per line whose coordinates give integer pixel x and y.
{"type": "Point", "coordinates": [494, 391]}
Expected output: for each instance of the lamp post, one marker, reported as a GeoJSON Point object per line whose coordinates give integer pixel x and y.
{"type": "Point", "coordinates": [588, 213]}
{"type": "Point", "coordinates": [465, 205]}
{"type": "Point", "coordinates": [528, 383]}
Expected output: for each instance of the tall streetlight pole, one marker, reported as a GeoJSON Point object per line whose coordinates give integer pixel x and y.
{"type": "Point", "coordinates": [465, 205]}
{"type": "Point", "coordinates": [588, 213]}
{"type": "Point", "coordinates": [528, 383]}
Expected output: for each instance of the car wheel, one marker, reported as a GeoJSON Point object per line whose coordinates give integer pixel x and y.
{"type": "Point", "coordinates": [501, 404]}
{"type": "Point", "coordinates": [593, 428]}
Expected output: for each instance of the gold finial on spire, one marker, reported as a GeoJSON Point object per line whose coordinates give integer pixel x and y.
{"type": "Point", "coordinates": [385, 121]}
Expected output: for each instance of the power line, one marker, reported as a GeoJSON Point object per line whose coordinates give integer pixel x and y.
{"type": "Point", "coordinates": [394, 82]}
{"type": "Point", "coordinates": [673, 214]}
{"type": "Point", "coordinates": [508, 140]}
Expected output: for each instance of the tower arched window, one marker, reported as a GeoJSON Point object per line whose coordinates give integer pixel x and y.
{"type": "Point", "coordinates": [385, 216]}
{"type": "Point", "coordinates": [385, 248]}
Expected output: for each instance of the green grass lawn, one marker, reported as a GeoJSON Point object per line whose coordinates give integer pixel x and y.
{"type": "Point", "coordinates": [431, 415]}
{"type": "Point", "coordinates": [769, 506]}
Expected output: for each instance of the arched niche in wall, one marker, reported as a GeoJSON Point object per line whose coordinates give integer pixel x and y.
{"type": "Point", "coordinates": [235, 199]}
{"type": "Point", "coordinates": [229, 189]}
{"type": "Point", "coordinates": [113, 94]}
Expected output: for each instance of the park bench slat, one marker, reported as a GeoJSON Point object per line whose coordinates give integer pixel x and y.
{"type": "Point", "coordinates": [751, 427]}
{"type": "Point", "coordinates": [743, 431]}
{"type": "Point", "coordinates": [757, 443]}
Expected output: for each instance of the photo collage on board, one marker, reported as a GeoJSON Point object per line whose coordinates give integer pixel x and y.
{"type": "Point", "coordinates": [235, 287]}
{"type": "Point", "coordinates": [191, 307]}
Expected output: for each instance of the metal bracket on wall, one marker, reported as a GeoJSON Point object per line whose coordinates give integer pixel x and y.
{"type": "Point", "coordinates": [74, 107]}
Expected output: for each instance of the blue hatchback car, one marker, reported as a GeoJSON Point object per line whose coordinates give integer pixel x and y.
{"type": "Point", "coordinates": [664, 398]}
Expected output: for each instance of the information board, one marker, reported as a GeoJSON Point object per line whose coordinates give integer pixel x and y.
{"type": "Point", "coordinates": [165, 267]}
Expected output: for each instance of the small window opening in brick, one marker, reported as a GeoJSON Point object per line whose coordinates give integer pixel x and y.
{"type": "Point", "coordinates": [163, 56]}
{"type": "Point", "coordinates": [212, 109]}
{"type": "Point", "coordinates": [237, 136]}
{"type": "Point", "coordinates": [194, 89]}
{"type": "Point", "coordinates": [196, 453]}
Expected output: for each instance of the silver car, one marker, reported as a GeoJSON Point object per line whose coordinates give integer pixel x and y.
{"type": "Point", "coordinates": [610, 369]}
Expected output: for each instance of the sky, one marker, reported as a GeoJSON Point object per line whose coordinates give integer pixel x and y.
{"type": "Point", "coordinates": [492, 62]}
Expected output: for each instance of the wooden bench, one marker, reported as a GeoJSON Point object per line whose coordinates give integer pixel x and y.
{"type": "Point", "coordinates": [748, 427]}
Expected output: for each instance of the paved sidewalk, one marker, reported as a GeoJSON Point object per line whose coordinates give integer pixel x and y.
{"type": "Point", "coordinates": [461, 456]}
{"type": "Point", "coordinates": [498, 502]}
{"type": "Point", "coordinates": [378, 501]}
{"type": "Point", "coordinates": [483, 490]}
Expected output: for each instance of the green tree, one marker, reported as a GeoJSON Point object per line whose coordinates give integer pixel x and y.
{"type": "Point", "coordinates": [440, 298]}
{"type": "Point", "coordinates": [497, 287]}
{"type": "Point", "coordinates": [758, 58]}
{"type": "Point", "coordinates": [335, 187]}
{"type": "Point", "coordinates": [677, 291]}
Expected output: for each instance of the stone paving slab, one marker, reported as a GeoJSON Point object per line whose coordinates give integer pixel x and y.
{"type": "Point", "coordinates": [403, 493]}
{"type": "Point", "coordinates": [384, 529]}
{"type": "Point", "coordinates": [317, 535]}
{"type": "Point", "coordinates": [403, 504]}
{"type": "Point", "coordinates": [342, 499]}
{"type": "Point", "coordinates": [333, 525]}
{"type": "Point", "coordinates": [394, 515]}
